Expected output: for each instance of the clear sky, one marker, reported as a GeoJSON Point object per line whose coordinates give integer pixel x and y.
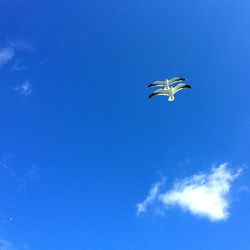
{"type": "Point", "coordinates": [87, 162]}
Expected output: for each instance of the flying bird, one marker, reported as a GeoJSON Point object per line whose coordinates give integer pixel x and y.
{"type": "Point", "coordinates": [166, 83]}
{"type": "Point", "coordinates": [170, 92]}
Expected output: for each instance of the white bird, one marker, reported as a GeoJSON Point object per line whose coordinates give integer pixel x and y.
{"type": "Point", "coordinates": [170, 92]}
{"type": "Point", "coordinates": [167, 82]}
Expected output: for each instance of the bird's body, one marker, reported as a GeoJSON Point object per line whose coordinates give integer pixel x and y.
{"type": "Point", "coordinates": [170, 92]}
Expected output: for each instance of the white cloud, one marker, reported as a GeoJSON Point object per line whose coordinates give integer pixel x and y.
{"type": "Point", "coordinates": [25, 89]}
{"type": "Point", "coordinates": [6, 55]}
{"type": "Point", "coordinates": [203, 195]}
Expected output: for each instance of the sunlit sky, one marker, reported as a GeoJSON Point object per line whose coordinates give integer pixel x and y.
{"type": "Point", "coordinates": [87, 162]}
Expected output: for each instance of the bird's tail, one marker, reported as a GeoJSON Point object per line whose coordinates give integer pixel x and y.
{"type": "Point", "coordinates": [171, 98]}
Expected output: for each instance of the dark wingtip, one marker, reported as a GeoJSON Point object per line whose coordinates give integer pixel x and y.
{"type": "Point", "coordinates": [189, 86]}
{"type": "Point", "coordinates": [182, 79]}
{"type": "Point", "coordinates": [149, 85]}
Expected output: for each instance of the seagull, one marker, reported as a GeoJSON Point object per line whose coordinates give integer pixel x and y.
{"type": "Point", "coordinates": [170, 92]}
{"type": "Point", "coordinates": [166, 83]}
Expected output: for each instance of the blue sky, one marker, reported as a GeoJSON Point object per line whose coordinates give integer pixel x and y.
{"type": "Point", "coordinates": [81, 147]}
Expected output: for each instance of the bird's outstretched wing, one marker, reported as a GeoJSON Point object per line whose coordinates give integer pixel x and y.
{"type": "Point", "coordinates": [175, 79]}
{"type": "Point", "coordinates": [158, 92]}
{"type": "Point", "coordinates": [165, 83]}
{"type": "Point", "coordinates": [181, 86]}
{"type": "Point", "coordinates": [157, 83]}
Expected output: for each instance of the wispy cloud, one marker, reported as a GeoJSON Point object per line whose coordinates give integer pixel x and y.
{"type": "Point", "coordinates": [152, 196]}
{"type": "Point", "coordinates": [6, 55]}
{"type": "Point", "coordinates": [25, 247]}
{"type": "Point", "coordinates": [16, 178]}
{"type": "Point", "coordinates": [13, 54]}
{"type": "Point", "coordinates": [6, 245]}
{"type": "Point", "coordinates": [19, 65]}
{"type": "Point", "coordinates": [21, 45]}
{"type": "Point", "coordinates": [32, 174]}
{"type": "Point", "coordinates": [202, 194]}
{"type": "Point", "coordinates": [24, 89]}
{"type": "Point", "coordinates": [5, 167]}
{"type": "Point", "coordinates": [12, 49]}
